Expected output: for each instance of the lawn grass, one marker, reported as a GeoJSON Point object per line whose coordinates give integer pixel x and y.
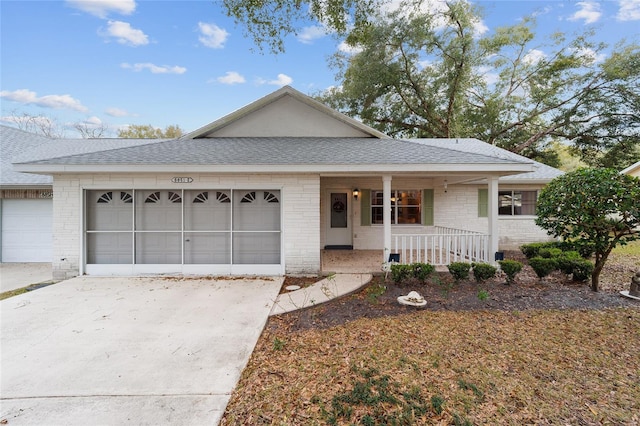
{"type": "Point", "coordinates": [504, 368]}
{"type": "Point", "coordinates": [631, 249]}
{"type": "Point", "coordinates": [11, 293]}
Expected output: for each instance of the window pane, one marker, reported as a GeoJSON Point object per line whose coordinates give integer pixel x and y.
{"type": "Point", "coordinates": [505, 203]}
{"type": "Point", "coordinates": [408, 198]}
{"type": "Point", "coordinates": [376, 215]}
{"type": "Point", "coordinates": [376, 198]}
{"type": "Point", "coordinates": [409, 215]}
{"type": "Point", "coordinates": [529, 202]}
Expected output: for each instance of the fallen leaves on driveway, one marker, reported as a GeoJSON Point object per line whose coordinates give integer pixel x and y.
{"type": "Point", "coordinates": [466, 367]}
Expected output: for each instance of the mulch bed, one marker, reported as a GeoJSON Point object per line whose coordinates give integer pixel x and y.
{"type": "Point", "coordinates": [379, 297]}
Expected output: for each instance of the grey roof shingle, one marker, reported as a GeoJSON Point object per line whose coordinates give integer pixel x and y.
{"type": "Point", "coordinates": [542, 172]}
{"type": "Point", "coordinates": [15, 142]}
{"type": "Point", "coordinates": [273, 151]}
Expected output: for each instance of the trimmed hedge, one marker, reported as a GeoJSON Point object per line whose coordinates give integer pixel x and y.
{"type": "Point", "coordinates": [532, 250]}
{"type": "Point", "coordinates": [543, 266]}
{"type": "Point", "coordinates": [420, 271]}
{"type": "Point", "coordinates": [483, 271]}
{"type": "Point", "coordinates": [511, 268]}
{"type": "Point", "coordinates": [459, 270]}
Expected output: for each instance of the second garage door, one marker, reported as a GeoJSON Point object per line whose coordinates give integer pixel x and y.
{"type": "Point", "coordinates": [26, 230]}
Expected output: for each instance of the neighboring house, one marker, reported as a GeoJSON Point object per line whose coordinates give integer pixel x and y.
{"type": "Point", "coordinates": [26, 204]}
{"type": "Point", "coordinates": [264, 189]}
{"type": "Point", "coordinates": [632, 170]}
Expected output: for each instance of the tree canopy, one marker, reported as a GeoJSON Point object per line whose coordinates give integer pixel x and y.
{"type": "Point", "coordinates": [430, 73]}
{"type": "Point", "coordinates": [268, 22]}
{"type": "Point", "coordinates": [595, 207]}
{"type": "Point", "coordinates": [147, 131]}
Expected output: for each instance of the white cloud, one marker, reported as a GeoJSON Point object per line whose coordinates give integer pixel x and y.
{"type": "Point", "coordinates": [212, 35]}
{"type": "Point", "coordinates": [489, 77]}
{"type": "Point", "coordinates": [231, 77]}
{"type": "Point", "coordinates": [309, 34]}
{"type": "Point", "coordinates": [347, 48]}
{"type": "Point", "coordinates": [629, 10]}
{"type": "Point", "coordinates": [589, 11]}
{"type": "Point", "coordinates": [125, 34]}
{"type": "Point", "coordinates": [92, 121]}
{"type": "Point", "coordinates": [479, 28]}
{"type": "Point", "coordinates": [155, 69]}
{"type": "Point", "coordinates": [591, 54]}
{"type": "Point", "coordinates": [25, 96]}
{"type": "Point", "coordinates": [533, 56]}
{"type": "Point", "coordinates": [282, 80]}
{"type": "Point", "coordinates": [101, 8]}
{"type": "Point", "coordinates": [116, 112]}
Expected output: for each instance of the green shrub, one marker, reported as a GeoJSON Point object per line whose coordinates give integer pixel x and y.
{"type": "Point", "coordinates": [585, 248]}
{"type": "Point", "coordinates": [400, 272]}
{"type": "Point", "coordinates": [533, 250]}
{"type": "Point", "coordinates": [459, 270]}
{"type": "Point", "coordinates": [566, 259]}
{"type": "Point", "coordinates": [483, 271]}
{"type": "Point", "coordinates": [582, 269]}
{"type": "Point", "coordinates": [421, 271]}
{"type": "Point", "coordinates": [550, 252]}
{"type": "Point", "coordinates": [543, 266]}
{"type": "Point", "coordinates": [511, 268]}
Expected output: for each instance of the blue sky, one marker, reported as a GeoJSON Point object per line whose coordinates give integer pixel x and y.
{"type": "Point", "coordinates": [122, 62]}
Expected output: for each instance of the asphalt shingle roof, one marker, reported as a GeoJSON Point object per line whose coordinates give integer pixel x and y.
{"type": "Point", "coordinates": [18, 142]}
{"type": "Point", "coordinates": [272, 151]}
{"type": "Point", "coordinates": [470, 145]}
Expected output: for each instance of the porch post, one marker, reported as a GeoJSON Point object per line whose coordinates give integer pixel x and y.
{"type": "Point", "coordinates": [386, 215]}
{"type": "Point", "coordinates": [494, 233]}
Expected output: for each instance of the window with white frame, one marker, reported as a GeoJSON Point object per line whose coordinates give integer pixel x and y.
{"type": "Point", "coordinates": [406, 207]}
{"type": "Point", "coordinates": [517, 203]}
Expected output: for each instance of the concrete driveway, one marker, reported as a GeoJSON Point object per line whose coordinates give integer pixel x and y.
{"type": "Point", "coordinates": [18, 275]}
{"type": "Point", "coordinates": [128, 350]}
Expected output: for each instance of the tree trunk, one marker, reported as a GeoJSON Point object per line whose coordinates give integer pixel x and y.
{"type": "Point", "coordinates": [595, 275]}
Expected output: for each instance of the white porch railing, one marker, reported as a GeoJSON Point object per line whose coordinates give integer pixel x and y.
{"type": "Point", "coordinates": [446, 246]}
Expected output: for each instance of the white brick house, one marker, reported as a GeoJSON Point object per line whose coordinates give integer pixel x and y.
{"type": "Point", "coordinates": [266, 188]}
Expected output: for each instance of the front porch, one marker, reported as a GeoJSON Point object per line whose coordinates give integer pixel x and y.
{"type": "Point", "coordinates": [444, 246]}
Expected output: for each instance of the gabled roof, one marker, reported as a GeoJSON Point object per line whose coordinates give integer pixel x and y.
{"type": "Point", "coordinates": [284, 132]}
{"type": "Point", "coordinates": [633, 170]}
{"type": "Point", "coordinates": [311, 154]}
{"type": "Point", "coordinates": [273, 102]}
{"type": "Point", "coordinates": [542, 173]}
{"type": "Point", "coordinates": [13, 142]}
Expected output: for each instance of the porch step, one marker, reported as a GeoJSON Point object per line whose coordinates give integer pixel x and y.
{"type": "Point", "coordinates": [338, 247]}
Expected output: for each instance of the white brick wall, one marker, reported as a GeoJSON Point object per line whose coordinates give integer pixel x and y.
{"type": "Point", "coordinates": [300, 212]}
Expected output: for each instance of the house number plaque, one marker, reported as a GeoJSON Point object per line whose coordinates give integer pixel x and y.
{"type": "Point", "coordinates": [182, 179]}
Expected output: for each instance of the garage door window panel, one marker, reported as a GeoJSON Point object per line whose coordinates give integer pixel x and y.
{"type": "Point", "coordinates": [109, 211]}
{"type": "Point", "coordinates": [158, 211]}
{"type": "Point", "coordinates": [256, 227]}
{"type": "Point", "coordinates": [110, 248]}
{"type": "Point", "coordinates": [158, 247]}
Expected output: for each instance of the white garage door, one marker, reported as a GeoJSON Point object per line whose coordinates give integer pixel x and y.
{"type": "Point", "coordinates": [27, 230]}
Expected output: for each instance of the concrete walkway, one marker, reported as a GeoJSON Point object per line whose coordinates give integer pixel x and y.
{"type": "Point", "coordinates": [111, 351]}
{"type": "Point", "coordinates": [329, 288]}
{"type": "Point", "coordinates": [18, 275]}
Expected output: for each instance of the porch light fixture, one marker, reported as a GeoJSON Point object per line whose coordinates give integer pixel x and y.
{"type": "Point", "coordinates": [356, 192]}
